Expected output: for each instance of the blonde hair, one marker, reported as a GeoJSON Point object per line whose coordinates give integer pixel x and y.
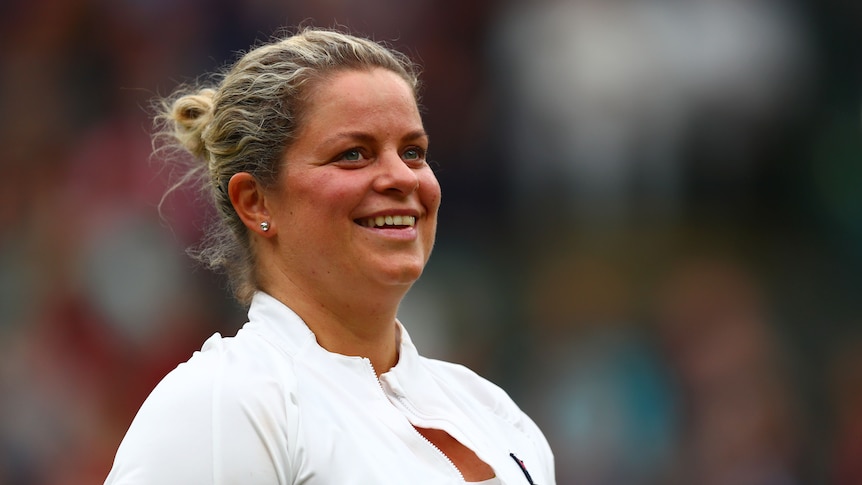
{"type": "Point", "coordinates": [244, 120]}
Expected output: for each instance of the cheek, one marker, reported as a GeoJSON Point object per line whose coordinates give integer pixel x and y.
{"type": "Point", "coordinates": [325, 193]}
{"type": "Point", "coordinates": [429, 191]}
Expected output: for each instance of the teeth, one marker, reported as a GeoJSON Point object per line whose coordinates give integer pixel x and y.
{"type": "Point", "coordinates": [381, 221]}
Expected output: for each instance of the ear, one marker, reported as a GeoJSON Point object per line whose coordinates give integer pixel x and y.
{"type": "Point", "coordinates": [249, 202]}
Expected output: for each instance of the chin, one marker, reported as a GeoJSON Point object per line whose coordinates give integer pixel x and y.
{"type": "Point", "coordinates": [403, 275]}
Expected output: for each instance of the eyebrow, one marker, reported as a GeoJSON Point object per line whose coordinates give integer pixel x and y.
{"type": "Point", "coordinates": [367, 138]}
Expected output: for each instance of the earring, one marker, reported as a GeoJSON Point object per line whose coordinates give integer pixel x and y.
{"type": "Point", "coordinates": [264, 226]}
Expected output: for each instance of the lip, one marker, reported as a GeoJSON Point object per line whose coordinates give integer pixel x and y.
{"type": "Point", "coordinates": [403, 233]}
{"type": "Point", "coordinates": [390, 212]}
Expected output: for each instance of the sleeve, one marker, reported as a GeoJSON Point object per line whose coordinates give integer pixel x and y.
{"type": "Point", "coordinates": [543, 447]}
{"type": "Point", "coordinates": [209, 421]}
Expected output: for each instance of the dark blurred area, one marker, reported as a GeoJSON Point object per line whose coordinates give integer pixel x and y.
{"type": "Point", "coordinates": [651, 232]}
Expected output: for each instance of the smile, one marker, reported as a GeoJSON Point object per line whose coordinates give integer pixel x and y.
{"type": "Point", "coordinates": [387, 221]}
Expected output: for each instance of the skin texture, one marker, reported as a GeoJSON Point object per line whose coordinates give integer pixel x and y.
{"type": "Point", "coordinates": [360, 153]}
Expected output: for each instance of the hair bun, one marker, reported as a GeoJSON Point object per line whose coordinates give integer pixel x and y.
{"type": "Point", "coordinates": [191, 114]}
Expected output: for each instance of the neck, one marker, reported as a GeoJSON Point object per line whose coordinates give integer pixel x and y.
{"type": "Point", "coordinates": [361, 326]}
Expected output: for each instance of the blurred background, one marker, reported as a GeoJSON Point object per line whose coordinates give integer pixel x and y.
{"type": "Point", "coordinates": [651, 232]}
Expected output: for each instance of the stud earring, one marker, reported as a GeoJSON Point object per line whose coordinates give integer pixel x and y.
{"type": "Point", "coordinates": [264, 226]}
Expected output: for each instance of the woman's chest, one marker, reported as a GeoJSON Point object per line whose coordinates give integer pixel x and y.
{"type": "Point", "coordinates": [341, 439]}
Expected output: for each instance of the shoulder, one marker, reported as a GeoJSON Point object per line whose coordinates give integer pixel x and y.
{"type": "Point", "coordinates": [214, 415]}
{"type": "Point", "coordinates": [465, 382]}
{"type": "Point", "coordinates": [245, 367]}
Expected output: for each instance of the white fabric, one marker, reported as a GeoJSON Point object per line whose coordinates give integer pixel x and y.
{"type": "Point", "coordinates": [271, 406]}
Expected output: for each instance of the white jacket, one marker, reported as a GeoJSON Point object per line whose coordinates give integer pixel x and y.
{"type": "Point", "coordinates": [271, 406]}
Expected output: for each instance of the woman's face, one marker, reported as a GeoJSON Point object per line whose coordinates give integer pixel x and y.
{"type": "Point", "coordinates": [356, 203]}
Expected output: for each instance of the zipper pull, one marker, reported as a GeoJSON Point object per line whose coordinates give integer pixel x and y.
{"type": "Point", "coordinates": [523, 468]}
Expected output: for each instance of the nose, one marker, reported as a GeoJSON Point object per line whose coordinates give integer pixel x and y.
{"type": "Point", "coordinates": [395, 175]}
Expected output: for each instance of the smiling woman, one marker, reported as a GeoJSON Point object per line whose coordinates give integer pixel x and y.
{"type": "Point", "coordinates": [314, 151]}
{"type": "Point", "coordinates": [358, 157]}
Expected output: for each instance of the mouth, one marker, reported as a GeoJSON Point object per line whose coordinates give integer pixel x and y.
{"type": "Point", "coordinates": [389, 221]}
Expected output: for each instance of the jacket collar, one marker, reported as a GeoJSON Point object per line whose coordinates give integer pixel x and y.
{"type": "Point", "coordinates": [410, 383]}
{"type": "Point", "coordinates": [282, 327]}
{"type": "Point", "coordinates": [290, 333]}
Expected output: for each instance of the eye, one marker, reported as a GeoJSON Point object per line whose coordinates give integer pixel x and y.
{"type": "Point", "coordinates": [413, 154]}
{"type": "Point", "coordinates": [352, 155]}
{"type": "Point", "coordinates": [352, 158]}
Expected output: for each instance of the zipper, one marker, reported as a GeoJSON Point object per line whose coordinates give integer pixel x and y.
{"type": "Point", "coordinates": [407, 405]}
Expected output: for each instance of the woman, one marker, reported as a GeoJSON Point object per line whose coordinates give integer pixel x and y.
{"type": "Point", "coordinates": [314, 152]}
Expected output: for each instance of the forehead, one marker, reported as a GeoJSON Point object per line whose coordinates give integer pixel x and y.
{"type": "Point", "coordinates": [342, 84]}
{"type": "Point", "coordinates": [359, 96]}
